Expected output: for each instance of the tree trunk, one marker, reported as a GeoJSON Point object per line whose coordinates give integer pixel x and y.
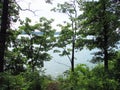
{"type": "Point", "coordinates": [73, 50]}
{"type": "Point", "coordinates": [105, 32]}
{"type": "Point", "coordinates": [105, 50]}
{"type": "Point", "coordinates": [106, 60]}
{"type": "Point", "coordinates": [72, 60]}
{"type": "Point", "coordinates": [4, 27]}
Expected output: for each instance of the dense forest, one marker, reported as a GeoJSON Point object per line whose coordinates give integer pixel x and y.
{"type": "Point", "coordinates": [96, 27]}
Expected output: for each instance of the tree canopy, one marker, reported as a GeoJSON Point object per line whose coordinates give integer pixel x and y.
{"type": "Point", "coordinates": [92, 24]}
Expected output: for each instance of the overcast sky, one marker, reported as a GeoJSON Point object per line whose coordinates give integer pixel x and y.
{"type": "Point", "coordinates": [42, 10]}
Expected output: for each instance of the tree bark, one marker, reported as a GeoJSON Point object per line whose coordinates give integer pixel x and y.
{"type": "Point", "coordinates": [4, 27]}
{"type": "Point", "coordinates": [105, 30]}
{"type": "Point", "coordinates": [105, 50]}
{"type": "Point", "coordinates": [73, 50]}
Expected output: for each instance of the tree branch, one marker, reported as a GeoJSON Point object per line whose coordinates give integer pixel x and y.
{"type": "Point", "coordinates": [27, 9]}
{"type": "Point", "coordinates": [62, 64]}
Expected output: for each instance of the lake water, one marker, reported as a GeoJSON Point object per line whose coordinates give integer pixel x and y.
{"type": "Point", "coordinates": [59, 64]}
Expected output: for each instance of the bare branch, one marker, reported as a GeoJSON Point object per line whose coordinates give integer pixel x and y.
{"type": "Point", "coordinates": [67, 54]}
{"type": "Point", "coordinates": [61, 63]}
{"type": "Point", "coordinates": [27, 9]}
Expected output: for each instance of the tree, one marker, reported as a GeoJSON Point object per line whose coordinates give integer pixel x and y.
{"type": "Point", "coordinates": [100, 28]}
{"type": "Point", "coordinates": [9, 14]}
{"type": "Point", "coordinates": [68, 32]}
{"type": "Point", "coordinates": [40, 40]}
{"type": "Point", "coordinates": [4, 27]}
{"type": "Point", "coordinates": [68, 35]}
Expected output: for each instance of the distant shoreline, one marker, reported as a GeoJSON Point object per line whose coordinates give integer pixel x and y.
{"type": "Point", "coordinates": [39, 33]}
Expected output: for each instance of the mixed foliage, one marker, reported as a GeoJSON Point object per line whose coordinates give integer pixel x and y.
{"type": "Point", "coordinates": [101, 23]}
{"type": "Point", "coordinates": [24, 50]}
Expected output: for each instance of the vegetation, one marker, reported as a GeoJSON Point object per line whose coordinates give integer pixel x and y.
{"type": "Point", "coordinates": [102, 30]}
{"type": "Point", "coordinates": [22, 57]}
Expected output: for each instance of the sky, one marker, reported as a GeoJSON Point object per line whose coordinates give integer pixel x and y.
{"type": "Point", "coordinates": [42, 9]}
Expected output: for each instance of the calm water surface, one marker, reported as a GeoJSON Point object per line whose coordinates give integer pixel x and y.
{"type": "Point", "coordinates": [59, 64]}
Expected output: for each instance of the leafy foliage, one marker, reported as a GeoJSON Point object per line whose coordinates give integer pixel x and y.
{"type": "Point", "coordinates": [86, 79]}
{"type": "Point", "coordinates": [31, 50]}
{"type": "Point", "coordinates": [99, 25]}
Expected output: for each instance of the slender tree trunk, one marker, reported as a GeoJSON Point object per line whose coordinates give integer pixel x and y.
{"type": "Point", "coordinates": [4, 27]}
{"type": "Point", "coordinates": [73, 51]}
{"type": "Point", "coordinates": [72, 59]}
{"type": "Point", "coordinates": [105, 51]}
{"type": "Point", "coordinates": [74, 27]}
{"type": "Point", "coordinates": [105, 32]}
{"type": "Point", "coordinates": [105, 55]}
{"type": "Point", "coordinates": [73, 55]}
